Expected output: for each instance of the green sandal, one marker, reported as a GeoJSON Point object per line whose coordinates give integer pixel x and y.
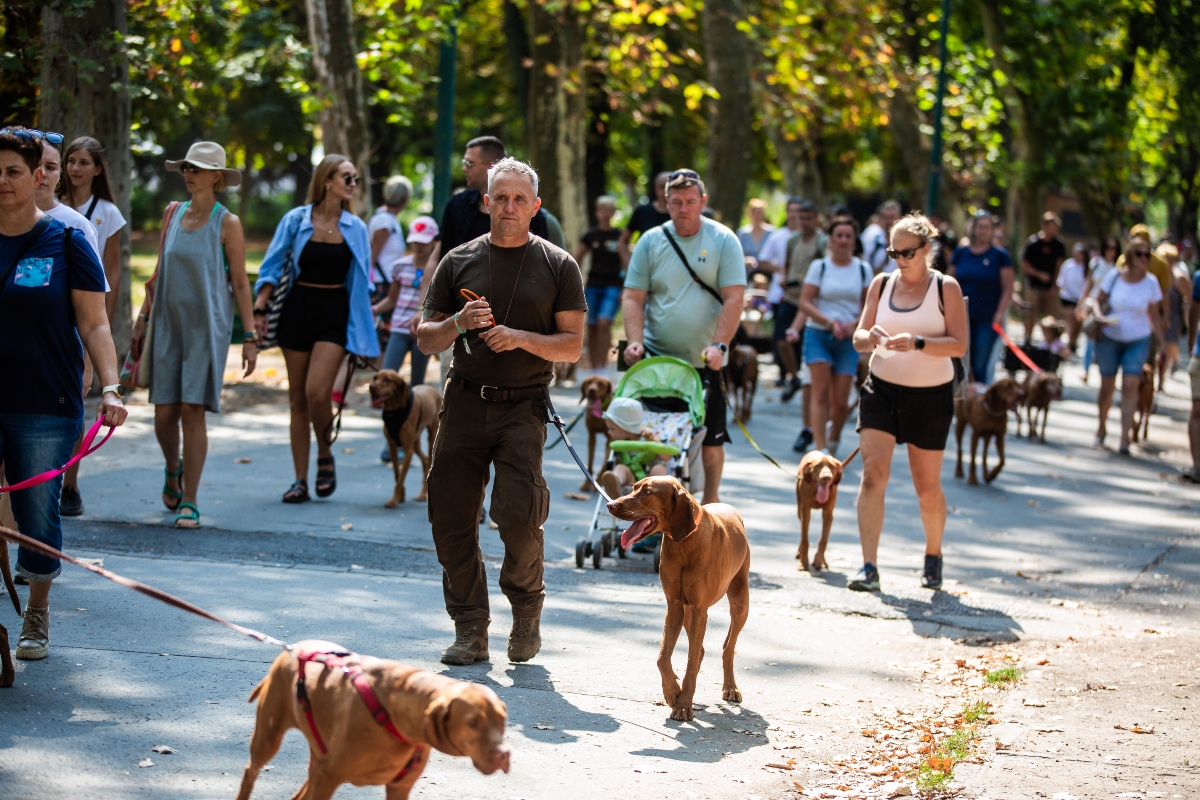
{"type": "Point", "coordinates": [168, 492]}
{"type": "Point", "coordinates": [188, 517]}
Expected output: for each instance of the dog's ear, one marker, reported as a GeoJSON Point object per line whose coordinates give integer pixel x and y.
{"type": "Point", "coordinates": [437, 726]}
{"type": "Point", "coordinates": [806, 472]}
{"type": "Point", "coordinates": [684, 517]}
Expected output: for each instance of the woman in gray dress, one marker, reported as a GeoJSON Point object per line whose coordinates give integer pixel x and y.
{"type": "Point", "coordinates": [201, 273]}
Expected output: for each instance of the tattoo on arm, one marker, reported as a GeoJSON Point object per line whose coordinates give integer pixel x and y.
{"type": "Point", "coordinates": [429, 315]}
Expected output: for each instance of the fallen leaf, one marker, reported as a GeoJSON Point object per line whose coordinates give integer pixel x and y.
{"type": "Point", "coordinates": [145, 762]}
{"type": "Point", "coordinates": [347, 526]}
{"type": "Point", "coordinates": [577, 496]}
{"type": "Point", "coordinates": [925, 737]}
{"type": "Point", "coordinates": [961, 663]}
{"type": "Point", "coordinates": [1043, 662]}
{"type": "Point", "coordinates": [897, 790]}
{"type": "Point", "coordinates": [799, 788]}
{"type": "Point", "coordinates": [940, 764]}
{"type": "Point", "coordinates": [1049, 730]}
{"type": "Point", "coordinates": [774, 765]}
{"type": "Point", "coordinates": [1149, 630]}
{"type": "Point", "coordinates": [1136, 728]}
{"type": "Point", "coordinates": [164, 749]}
{"type": "Point", "coordinates": [1033, 502]}
{"type": "Point", "coordinates": [242, 460]}
{"type": "Point", "coordinates": [1029, 702]}
{"type": "Point", "coordinates": [870, 732]}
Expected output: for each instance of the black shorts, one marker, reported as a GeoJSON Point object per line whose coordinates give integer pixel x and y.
{"type": "Point", "coordinates": [313, 315]}
{"type": "Point", "coordinates": [919, 416]}
{"type": "Point", "coordinates": [715, 415]}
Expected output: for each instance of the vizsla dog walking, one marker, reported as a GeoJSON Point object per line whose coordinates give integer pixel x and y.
{"type": "Point", "coordinates": [705, 556]}
{"type": "Point", "coordinates": [370, 722]}
{"type": "Point", "coordinates": [407, 412]}
{"type": "Point", "coordinates": [817, 487]}
{"type": "Point", "coordinates": [987, 414]}
{"type": "Point", "coordinates": [597, 392]}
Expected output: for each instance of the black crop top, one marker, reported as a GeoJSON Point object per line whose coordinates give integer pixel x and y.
{"type": "Point", "coordinates": [324, 263]}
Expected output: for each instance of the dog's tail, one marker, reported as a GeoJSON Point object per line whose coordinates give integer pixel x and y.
{"type": "Point", "coordinates": [8, 579]}
{"type": "Point", "coordinates": [850, 457]}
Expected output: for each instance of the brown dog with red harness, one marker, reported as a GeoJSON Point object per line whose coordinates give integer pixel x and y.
{"type": "Point", "coordinates": [370, 722]}
{"type": "Point", "coordinates": [705, 556]}
{"type": "Point", "coordinates": [817, 482]}
{"type": "Point", "coordinates": [597, 392]}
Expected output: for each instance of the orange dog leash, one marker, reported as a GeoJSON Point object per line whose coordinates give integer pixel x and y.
{"type": "Point", "coordinates": [1018, 352]}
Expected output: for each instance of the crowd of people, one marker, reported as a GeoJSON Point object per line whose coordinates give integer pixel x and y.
{"type": "Point", "coordinates": [899, 310]}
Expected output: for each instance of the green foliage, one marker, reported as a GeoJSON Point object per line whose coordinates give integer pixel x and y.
{"type": "Point", "coordinates": [1003, 677]}
{"type": "Point", "coordinates": [978, 711]}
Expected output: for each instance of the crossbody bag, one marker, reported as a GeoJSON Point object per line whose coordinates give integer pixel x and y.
{"type": "Point", "coordinates": [739, 336]}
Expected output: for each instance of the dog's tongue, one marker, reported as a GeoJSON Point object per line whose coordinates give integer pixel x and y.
{"type": "Point", "coordinates": [595, 407]}
{"type": "Point", "coordinates": [822, 492]}
{"type": "Point", "coordinates": [640, 529]}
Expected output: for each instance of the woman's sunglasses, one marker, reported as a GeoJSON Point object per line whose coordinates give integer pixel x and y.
{"type": "Point", "coordinates": [351, 180]}
{"type": "Point", "coordinates": [191, 169]}
{"type": "Point", "coordinates": [1141, 253]}
{"type": "Point", "coordinates": [895, 255]}
{"type": "Point", "coordinates": [29, 134]}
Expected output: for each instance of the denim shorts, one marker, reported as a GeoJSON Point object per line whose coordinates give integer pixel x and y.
{"type": "Point", "coordinates": [602, 302]}
{"type": "Point", "coordinates": [823, 347]}
{"type": "Point", "coordinates": [31, 444]}
{"type": "Point", "coordinates": [1129, 356]}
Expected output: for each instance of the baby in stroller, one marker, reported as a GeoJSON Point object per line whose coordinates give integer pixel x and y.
{"type": "Point", "coordinates": [637, 452]}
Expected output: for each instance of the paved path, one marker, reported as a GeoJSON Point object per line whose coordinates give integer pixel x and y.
{"type": "Point", "coordinates": [1069, 542]}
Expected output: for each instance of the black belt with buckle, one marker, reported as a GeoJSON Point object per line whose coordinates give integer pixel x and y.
{"type": "Point", "coordinates": [498, 394]}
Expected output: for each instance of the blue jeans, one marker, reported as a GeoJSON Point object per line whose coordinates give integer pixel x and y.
{"type": "Point", "coordinates": [399, 345]}
{"type": "Point", "coordinates": [29, 445]}
{"type": "Point", "coordinates": [983, 343]}
{"type": "Point", "coordinates": [1128, 356]}
{"type": "Point", "coordinates": [602, 302]}
{"type": "Point", "coordinates": [823, 347]}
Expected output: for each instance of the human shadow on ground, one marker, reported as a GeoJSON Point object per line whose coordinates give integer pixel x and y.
{"type": "Point", "coordinates": [717, 731]}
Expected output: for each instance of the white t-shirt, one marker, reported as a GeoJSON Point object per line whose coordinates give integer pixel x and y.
{"type": "Point", "coordinates": [1100, 270]}
{"type": "Point", "coordinates": [839, 289]}
{"type": "Point", "coordinates": [107, 219]}
{"type": "Point", "coordinates": [1071, 277]}
{"type": "Point", "coordinates": [393, 248]}
{"type": "Point", "coordinates": [1129, 303]}
{"type": "Point", "coordinates": [875, 244]}
{"type": "Point", "coordinates": [774, 247]}
{"type": "Point", "coordinates": [73, 219]}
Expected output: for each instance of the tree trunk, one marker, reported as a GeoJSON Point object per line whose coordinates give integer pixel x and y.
{"type": "Point", "coordinates": [516, 36]}
{"type": "Point", "coordinates": [557, 122]}
{"type": "Point", "coordinates": [727, 51]}
{"type": "Point", "coordinates": [85, 90]}
{"type": "Point", "coordinates": [343, 114]}
{"type": "Point", "coordinates": [597, 142]}
{"type": "Point", "coordinates": [18, 83]}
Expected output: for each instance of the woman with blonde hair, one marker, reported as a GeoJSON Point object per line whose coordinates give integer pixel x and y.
{"type": "Point", "coordinates": [914, 323]}
{"type": "Point", "coordinates": [201, 275]}
{"type": "Point", "coordinates": [327, 253]}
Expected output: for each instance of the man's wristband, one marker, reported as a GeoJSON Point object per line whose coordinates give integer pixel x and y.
{"type": "Point", "coordinates": [461, 330]}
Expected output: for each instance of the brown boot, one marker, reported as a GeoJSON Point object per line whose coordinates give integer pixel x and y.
{"type": "Point", "coordinates": [526, 638]}
{"type": "Point", "coordinates": [470, 645]}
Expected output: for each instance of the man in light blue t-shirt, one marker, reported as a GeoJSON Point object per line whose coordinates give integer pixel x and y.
{"type": "Point", "coordinates": [667, 312]}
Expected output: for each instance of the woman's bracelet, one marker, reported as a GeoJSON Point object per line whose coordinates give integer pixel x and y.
{"type": "Point", "coordinates": [250, 338]}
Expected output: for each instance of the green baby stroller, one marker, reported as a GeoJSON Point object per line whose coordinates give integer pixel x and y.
{"type": "Point", "coordinates": [672, 395]}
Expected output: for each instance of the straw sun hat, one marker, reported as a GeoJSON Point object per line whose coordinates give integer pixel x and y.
{"type": "Point", "coordinates": [207, 155]}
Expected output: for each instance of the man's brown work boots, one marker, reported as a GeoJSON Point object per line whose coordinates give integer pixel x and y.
{"type": "Point", "coordinates": [470, 645]}
{"type": "Point", "coordinates": [526, 638]}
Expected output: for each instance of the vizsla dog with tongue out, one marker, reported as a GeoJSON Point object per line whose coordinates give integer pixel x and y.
{"type": "Point", "coordinates": [597, 392]}
{"type": "Point", "coordinates": [705, 556]}
{"type": "Point", "coordinates": [816, 487]}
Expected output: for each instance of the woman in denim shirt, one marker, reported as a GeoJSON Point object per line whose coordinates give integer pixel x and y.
{"type": "Point", "coordinates": [327, 313]}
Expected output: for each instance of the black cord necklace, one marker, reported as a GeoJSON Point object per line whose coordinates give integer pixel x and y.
{"type": "Point", "coordinates": [515, 282]}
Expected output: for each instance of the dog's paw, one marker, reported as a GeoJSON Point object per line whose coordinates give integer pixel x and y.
{"type": "Point", "coordinates": [731, 694]}
{"type": "Point", "coordinates": [819, 564]}
{"type": "Point", "coordinates": [684, 713]}
{"type": "Point", "coordinates": [958, 473]}
{"type": "Point", "coordinates": [422, 497]}
{"type": "Point", "coordinates": [972, 481]}
{"type": "Point", "coordinates": [7, 677]}
{"type": "Point", "coordinates": [393, 503]}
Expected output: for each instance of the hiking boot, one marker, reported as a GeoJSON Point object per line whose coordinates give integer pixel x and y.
{"type": "Point", "coordinates": [526, 638]}
{"type": "Point", "coordinates": [34, 641]}
{"type": "Point", "coordinates": [932, 579]}
{"type": "Point", "coordinates": [790, 390]}
{"type": "Point", "coordinates": [867, 580]}
{"type": "Point", "coordinates": [470, 645]}
{"type": "Point", "coordinates": [803, 441]}
{"type": "Point", "coordinates": [70, 504]}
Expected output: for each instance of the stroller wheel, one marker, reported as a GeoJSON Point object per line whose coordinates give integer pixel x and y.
{"type": "Point", "coordinates": [620, 550]}
{"type": "Point", "coordinates": [597, 555]}
{"type": "Point", "coordinates": [580, 548]}
{"type": "Point", "coordinates": [606, 543]}
{"type": "Point", "coordinates": [657, 554]}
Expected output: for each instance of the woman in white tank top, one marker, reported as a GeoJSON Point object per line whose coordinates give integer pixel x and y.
{"type": "Point", "coordinates": [915, 321]}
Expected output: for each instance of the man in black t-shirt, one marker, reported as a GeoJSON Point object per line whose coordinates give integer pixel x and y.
{"type": "Point", "coordinates": [651, 215]}
{"type": "Point", "coordinates": [604, 281]}
{"type": "Point", "coordinates": [1043, 254]}
{"type": "Point", "coordinates": [529, 313]}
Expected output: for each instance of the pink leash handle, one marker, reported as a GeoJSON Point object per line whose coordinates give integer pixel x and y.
{"type": "Point", "coordinates": [85, 449]}
{"type": "Point", "coordinates": [1018, 352]}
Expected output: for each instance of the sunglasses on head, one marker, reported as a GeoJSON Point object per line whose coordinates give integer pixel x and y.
{"type": "Point", "coordinates": [30, 134]}
{"type": "Point", "coordinates": [896, 255]}
{"type": "Point", "coordinates": [683, 175]}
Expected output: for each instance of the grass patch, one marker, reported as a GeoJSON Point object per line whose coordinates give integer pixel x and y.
{"type": "Point", "coordinates": [976, 712]}
{"type": "Point", "coordinates": [1005, 676]}
{"type": "Point", "coordinates": [931, 780]}
{"type": "Point", "coordinates": [935, 773]}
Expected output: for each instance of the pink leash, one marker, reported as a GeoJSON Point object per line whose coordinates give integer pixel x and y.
{"type": "Point", "coordinates": [85, 449]}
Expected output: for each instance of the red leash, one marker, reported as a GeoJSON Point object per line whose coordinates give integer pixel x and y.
{"type": "Point", "coordinates": [1018, 352]}
{"type": "Point", "coordinates": [85, 449]}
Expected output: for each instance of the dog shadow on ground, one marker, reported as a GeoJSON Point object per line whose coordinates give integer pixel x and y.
{"type": "Point", "coordinates": [718, 730]}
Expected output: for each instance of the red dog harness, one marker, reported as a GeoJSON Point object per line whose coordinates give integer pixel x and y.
{"type": "Point", "coordinates": [341, 660]}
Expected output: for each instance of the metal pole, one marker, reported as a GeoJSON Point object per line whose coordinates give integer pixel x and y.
{"type": "Point", "coordinates": [443, 141]}
{"type": "Point", "coordinates": [935, 153]}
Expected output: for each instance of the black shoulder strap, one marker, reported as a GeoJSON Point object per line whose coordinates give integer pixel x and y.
{"type": "Point", "coordinates": [91, 208]}
{"type": "Point", "coordinates": [34, 234]}
{"type": "Point", "coordinates": [941, 293]}
{"type": "Point", "coordinates": [883, 283]}
{"type": "Point", "coordinates": [691, 271]}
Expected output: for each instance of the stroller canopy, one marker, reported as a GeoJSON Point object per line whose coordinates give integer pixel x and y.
{"type": "Point", "coordinates": [665, 376]}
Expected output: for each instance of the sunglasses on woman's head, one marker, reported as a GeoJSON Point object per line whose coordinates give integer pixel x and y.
{"type": "Point", "coordinates": [905, 254]}
{"type": "Point", "coordinates": [29, 134]}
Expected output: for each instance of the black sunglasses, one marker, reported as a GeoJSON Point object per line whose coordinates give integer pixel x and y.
{"type": "Point", "coordinates": [29, 134]}
{"type": "Point", "coordinates": [1141, 253]}
{"type": "Point", "coordinates": [351, 180]}
{"type": "Point", "coordinates": [895, 255]}
{"type": "Point", "coordinates": [683, 174]}
{"type": "Point", "coordinates": [190, 169]}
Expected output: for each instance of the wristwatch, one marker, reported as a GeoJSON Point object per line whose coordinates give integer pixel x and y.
{"type": "Point", "coordinates": [724, 348]}
{"type": "Point", "coordinates": [920, 345]}
{"type": "Point", "coordinates": [116, 389]}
